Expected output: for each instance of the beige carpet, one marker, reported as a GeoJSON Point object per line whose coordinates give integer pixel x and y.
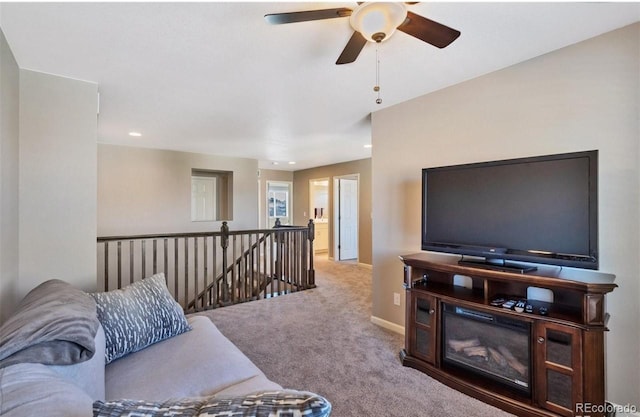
{"type": "Point", "coordinates": [322, 340]}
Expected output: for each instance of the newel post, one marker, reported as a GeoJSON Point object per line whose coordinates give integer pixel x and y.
{"type": "Point", "coordinates": [224, 242]}
{"type": "Point", "coordinates": [312, 235]}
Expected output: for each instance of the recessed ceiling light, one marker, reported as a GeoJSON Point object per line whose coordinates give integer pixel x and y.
{"type": "Point", "coordinates": [135, 134]}
{"type": "Point", "coordinates": [292, 163]}
{"type": "Point", "coordinates": [274, 163]}
{"type": "Point", "coordinates": [368, 145]}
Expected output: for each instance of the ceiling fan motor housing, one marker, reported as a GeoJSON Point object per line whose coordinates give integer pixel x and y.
{"type": "Point", "coordinates": [378, 37]}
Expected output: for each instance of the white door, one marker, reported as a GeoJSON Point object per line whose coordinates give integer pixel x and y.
{"type": "Point", "coordinates": [203, 201]}
{"type": "Point", "coordinates": [348, 219]}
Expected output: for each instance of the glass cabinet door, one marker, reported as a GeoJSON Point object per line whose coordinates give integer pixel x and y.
{"type": "Point", "coordinates": [424, 335]}
{"type": "Point", "coordinates": [559, 358]}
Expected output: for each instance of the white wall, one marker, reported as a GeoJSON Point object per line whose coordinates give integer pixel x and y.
{"type": "Point", "coordinates": [9, 134]}
{"type": "Point", "coordinates": [148, 191]}
{"type": "Point", "coordinates": [582, 97]}
{"type": "Point", "coordinates": [57, 169]}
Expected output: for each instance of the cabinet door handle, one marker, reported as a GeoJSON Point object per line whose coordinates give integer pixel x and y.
{"type": "Point", "coordinates": [540, 340]}
{"type": "Point", "coordinates": [432, 311]}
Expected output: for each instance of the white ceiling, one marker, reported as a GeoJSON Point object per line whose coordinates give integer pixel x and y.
{"type": "Point", "coordinates": [216, 78]}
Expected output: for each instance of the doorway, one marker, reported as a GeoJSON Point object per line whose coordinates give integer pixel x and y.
{"type": "Point", "coordinates": [319, 212]}
{"type": "Point", "coordinates": [346, 216]}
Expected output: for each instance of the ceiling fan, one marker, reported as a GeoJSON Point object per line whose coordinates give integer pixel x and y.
{"type": "Point", "coordinates": [374, 22]}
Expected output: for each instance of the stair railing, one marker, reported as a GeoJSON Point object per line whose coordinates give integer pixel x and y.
{"type": "Point", "coordinates": [212, 269]}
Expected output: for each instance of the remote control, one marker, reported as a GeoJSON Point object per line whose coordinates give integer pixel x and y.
{"type": "Point", "coordinates": [509, 304]}
{"type": "Point", "coordinates": [519, 307]}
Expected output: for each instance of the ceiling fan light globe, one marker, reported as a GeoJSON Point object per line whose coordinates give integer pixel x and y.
{"type": "Point", "coordinates": [371, 19]}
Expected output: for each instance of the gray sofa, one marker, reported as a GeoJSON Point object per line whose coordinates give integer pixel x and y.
{"type": "Point", "coordinates": [197, 363]}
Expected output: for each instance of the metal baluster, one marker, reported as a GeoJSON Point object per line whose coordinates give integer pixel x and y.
{"type": "Point", "coordinates": [186, 271]}
{"type": "Point", "coordinates": [165, 256]}
{"type": "Point", "coordinates": [242, 272]}
{"type": "Point", "coordinates": [130, 261]}
{"type": "Point", "coordinates": [144, 258]}
{"type": "Point", "coordinates": [296, 261]}
{"type": "Point", "coordinates": [155, 256]}
{"type": "Point", "coordinates": [251, 265]}
{"type": "Point", "coordinates": [119, 264]}
{"type": "Point", "coordinates": [303, 257]}
{"type": "Point", "coordinates": [224, 242]}
{"type": "Point", "coordinates": [214, 253]}
{"type": "Point", "coordinates": [206, 274]}
{"type": "Point", "coordinates": [175, 268]}
{"type": "Point", "coordinates": [233, 271]}
{"type": "Point", "coordinates": [279, 257]}
{"type": "Point", "coordinates": [311, 236]}
{"type": "Point", "coordinates": [265, 257]}
{"type": "Point", "coordinates": [106, 266]}
{"type": "Point", "coordinates": [195, 274]}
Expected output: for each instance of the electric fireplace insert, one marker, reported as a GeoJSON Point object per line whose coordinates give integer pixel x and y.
{"type": "Point", "coordinates": [490, 345]}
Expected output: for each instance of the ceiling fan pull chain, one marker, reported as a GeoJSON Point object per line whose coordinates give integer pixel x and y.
{"type": "Point", "coordinates": [376, 88]}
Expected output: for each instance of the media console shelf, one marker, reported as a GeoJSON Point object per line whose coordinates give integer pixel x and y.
{"type": "Point", "coordinates": [563, 347]}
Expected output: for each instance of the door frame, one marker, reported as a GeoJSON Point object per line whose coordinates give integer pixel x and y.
{"type": "Point", "coordinates": [336, 214]}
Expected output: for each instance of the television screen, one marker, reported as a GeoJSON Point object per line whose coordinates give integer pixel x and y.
{"type": "Point", "coordinates": [538, 209]}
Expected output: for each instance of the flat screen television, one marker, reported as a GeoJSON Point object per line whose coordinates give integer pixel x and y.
{"type": "Point", "coordinates": [540, 209]}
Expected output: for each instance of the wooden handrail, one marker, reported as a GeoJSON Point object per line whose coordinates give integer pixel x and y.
{"type": "Point", "coordinates": [196, 234]}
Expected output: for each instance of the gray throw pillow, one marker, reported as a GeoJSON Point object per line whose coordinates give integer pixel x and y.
{"type": "Point", "coordinates": [289, 403]}
{"type": "Point", "coordinates": [138, 315]}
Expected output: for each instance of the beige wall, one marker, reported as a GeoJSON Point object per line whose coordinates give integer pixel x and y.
{"type": "Point", "coordinates": [57, 175]}
{"type": "Point", "coordinates": [582, 97]}
{"type": "Point", "coordinates": [9, 134]}
{"type": "Point", "coordinates": [301, 200]}
{"type": "Point", "coordinates": [148, 191]}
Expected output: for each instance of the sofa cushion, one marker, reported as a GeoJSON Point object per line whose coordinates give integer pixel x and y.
{"type": "Point", "coordinates": [54, 324]}
{"type": "Point", "coordinates": [260, 404]}
{"type": "Point", "coordinates": [138, 316]}
{"type": "Point", "coordinates": [33, 389]}
{"type": "Point", "coordinates": [198, 363]}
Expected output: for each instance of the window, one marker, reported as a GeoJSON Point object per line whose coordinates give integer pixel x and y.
{"type": "Point", "coordinates": [278, 204]}
{"type": "Point", "coordinates": [211, 195]}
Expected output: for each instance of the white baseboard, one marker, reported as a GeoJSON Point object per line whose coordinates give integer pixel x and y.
{"type": "Point", "coordinates": [387, 325]}
{"type": "Point", "coordinates": [368, 266]}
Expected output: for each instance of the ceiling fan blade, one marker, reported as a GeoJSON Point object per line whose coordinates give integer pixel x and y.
{"type": "Point", "coordinates": [294, 17]}
{"type": "Point", "coordinates": [428, 30]}
{"type": "Point", "coordinates": [352, 50]}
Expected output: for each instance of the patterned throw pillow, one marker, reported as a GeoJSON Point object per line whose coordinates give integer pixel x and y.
{"type": "Point", "coordinates": [138, 315]}
{"type": "Point", "coordinates": [286, 403]}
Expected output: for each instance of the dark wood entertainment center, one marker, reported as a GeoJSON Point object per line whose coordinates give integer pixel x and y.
{"type": "Point", "coordinates": [565, 343]}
